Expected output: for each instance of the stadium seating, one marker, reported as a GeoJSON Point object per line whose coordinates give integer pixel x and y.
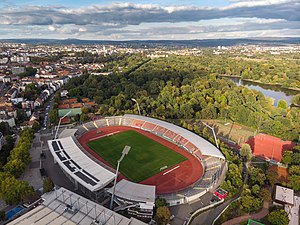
{"type": "Point", "coordinates": [90, 126]}
{"type": "Point", "coordinates": [180, 140]}
{"type": "Point", "coordinates": [148, 126]}
{"type": "Point", "coordinates": [193, 191]}
{"type": "Point", "coordinates": [138, 123]}
{"type": "Point", "coordinates": [170, 134]}
{"type": "Point", "coordinates": [101, 123]}
{"type": "Point", "coordinates": [159, 130]}
{"type": "Point", "coordinates": [211, 162]}
{"type": "Point", "coordinates": [127, 121]}
{"type": "Point", "coordinates": [190, 147]}
{"type": "Point", "coordinates": [80, 130]}
{"type": "Point", "coordinates": [198, 154]}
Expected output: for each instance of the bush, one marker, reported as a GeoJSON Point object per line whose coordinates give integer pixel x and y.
{"type": "Point", "coordinates": [2, 215]}
{"type": "Point", "coordinates": [48, 185]}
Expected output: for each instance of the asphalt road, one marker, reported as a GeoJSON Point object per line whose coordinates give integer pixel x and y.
{"type": "Point", "coordinates": [183, 212]}
{"type": "Point", "coordinates": [207, 218]}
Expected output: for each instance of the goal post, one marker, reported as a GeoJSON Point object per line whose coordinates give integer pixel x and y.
{"type": "Point", "coordinates": [163, 168]}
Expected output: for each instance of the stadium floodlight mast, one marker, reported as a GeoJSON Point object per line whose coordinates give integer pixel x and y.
{"type": "Point", "coordinates": [56, 133]}
{"type": "Point", "coordinates": [124, 152]}
{"type": "Point", "coordinates": [134, 100]}
{"type": "Point", "coordinates": [213, 130]}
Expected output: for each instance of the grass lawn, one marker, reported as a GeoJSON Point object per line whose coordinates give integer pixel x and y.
{"type": "Point", "coordinates": [145, 158]}
{"type": "Point", "coordinates": [239, 133]}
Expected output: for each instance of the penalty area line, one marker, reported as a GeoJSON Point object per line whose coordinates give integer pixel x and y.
{"type": "Point", "coordinates": [171, 170]}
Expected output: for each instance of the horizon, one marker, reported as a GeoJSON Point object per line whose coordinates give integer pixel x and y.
{"type": "Point", "coordinates": [149, 20]}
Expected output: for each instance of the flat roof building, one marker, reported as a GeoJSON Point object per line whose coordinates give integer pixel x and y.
{"type": "Point", "coordinates": [65, 207]}
{"type": "Point", "coordinates": [284, 195]}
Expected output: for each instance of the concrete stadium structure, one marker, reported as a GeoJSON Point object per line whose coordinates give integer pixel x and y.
{"type": "Point", "coordinates": [212, 160]}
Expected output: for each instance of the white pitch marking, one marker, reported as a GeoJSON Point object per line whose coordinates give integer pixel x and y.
{"type": "Point", "coordinates": [171, 170]}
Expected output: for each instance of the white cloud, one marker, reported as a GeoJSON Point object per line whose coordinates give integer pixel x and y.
{"type": "Point", "coordinates": [145, 20]}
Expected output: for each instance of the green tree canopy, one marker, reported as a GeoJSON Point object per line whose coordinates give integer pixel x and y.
{"type": "Point", "coordinates": [163, 215]}
{"type": "Point", "coordinates": [48, 185]}
{"type": "Point", "coordinates": [246, 152]}
{"type": "Point", "coordinates": [278, 217]}
{"type": "Point", "coordinates": [257, 176]}
{"type": "Point", "coordinates": [14, 191]}
{"type": "Point", "coordinates": [53, 117]}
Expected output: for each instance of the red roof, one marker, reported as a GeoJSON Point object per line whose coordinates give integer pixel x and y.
{"type": "Point", "coordinates": [66, 120]}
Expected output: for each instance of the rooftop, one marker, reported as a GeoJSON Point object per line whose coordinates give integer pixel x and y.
{"type": "Point", "coordinates": [78, 165]}
{"type": "Point", "coordinates": [284, 195]}
{"type": "Point", "coordinates": [134, 192]}
{"type": "Point", "coordinates": [65, 207]}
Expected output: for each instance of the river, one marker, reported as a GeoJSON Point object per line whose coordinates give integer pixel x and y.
{"type": "Point", "coordinates": [271, 91]}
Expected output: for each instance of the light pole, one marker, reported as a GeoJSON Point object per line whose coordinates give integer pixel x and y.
{"type": "Point", "coordinates": [55, 136]}
{"type": "Point", "coordinates": [134, 100]}
{"type": "Point", "coordinates": [124, 152]}
{"type": "Point", "coordinates": [213, 130]}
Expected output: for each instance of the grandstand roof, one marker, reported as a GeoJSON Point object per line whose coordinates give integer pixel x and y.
{"type": "Point", "coordinates": [203, 145]}
{"type": "Point", "coordinates": [67, 133]}
{"type": "Point", "coordinates": [78, 165]}
{"type": "Point", "coordinates": [134, 192]}
{"type": "Point", "coordinates": [54, 210]}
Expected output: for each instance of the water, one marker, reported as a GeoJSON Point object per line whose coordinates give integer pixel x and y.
{"type": "Point", "coordinates": [271, 91]}
{"type": "Point", "coordinates": [11, 213]}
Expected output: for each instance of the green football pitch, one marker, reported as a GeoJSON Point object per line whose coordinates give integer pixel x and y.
{"type": "Point", "coordinates": [145, 159]}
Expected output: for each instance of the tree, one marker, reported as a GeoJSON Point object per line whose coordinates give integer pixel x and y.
{"type": "Point", "coordinates": [163, 215]}
{"type": "Point", "coordinates": [294, 182]}
{"type": "Point", "coordinates": [278, 217]}
{"type": "Point", "coordinates": [48, 185]}
{"type": "Point", "coordinates": [296, 100]}
{"type": "Point", "coordinates": [287, 157]}
{"type": "Point", "coordinates": [265, 194]}
{"type": "Point", "coordinates": [257, 176]}
{"type": "Point", "coordinates": [84, 117]}
{"type": "Point", "coordinates": [53, 117]}
{"type": "Point", "coordinates": [159, 202]}
{"type": "Point", "coordinates": [14, 191]}
{"type": "Point", "coordinates": [85, 110]}
{"type": "Point", "coordinates": [294, 169]}
{"type": "Point", "coordinates": [282, 104]}
{"type": "Point", "coordinates": [5, 128]}
{"type": "Point", "coordinates": [2, 215]}
{"type": "Point", "coordinates": [15, 167]}
{"type": "Point", "coordinates": [272, 176]}
{"type": "Point", "coordinates": [36, 126]}
{"type": "Point", "coordinates": [246, 152]}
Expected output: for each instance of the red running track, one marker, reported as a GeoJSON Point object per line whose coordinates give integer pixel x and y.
{"type": "Point", "coordinates": [175, 180]}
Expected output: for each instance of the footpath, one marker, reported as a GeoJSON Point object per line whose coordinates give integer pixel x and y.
{"type": "Point", "coordinates": [262, 213]}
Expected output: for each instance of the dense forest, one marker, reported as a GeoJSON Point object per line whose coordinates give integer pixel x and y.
{"type": "Point", "coordinates": [187, 88]}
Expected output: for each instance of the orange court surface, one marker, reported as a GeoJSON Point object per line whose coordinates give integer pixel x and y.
{"type": "Point", "coordinates": [269, 147]}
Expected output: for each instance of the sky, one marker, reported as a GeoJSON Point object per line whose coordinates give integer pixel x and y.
{"type": "Point", "coordinates": [149, 19]}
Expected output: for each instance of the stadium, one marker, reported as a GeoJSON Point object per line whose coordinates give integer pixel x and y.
{"type": "Point", "coordinates": [165, 160]}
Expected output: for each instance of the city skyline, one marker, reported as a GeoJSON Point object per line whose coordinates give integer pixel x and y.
{"type": "Point", "coordinates": [149, 20]}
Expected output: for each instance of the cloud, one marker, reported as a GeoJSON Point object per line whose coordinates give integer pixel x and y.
{"type": "Point", "coordinates": [129, 19]}
{"type": "Point", "coordinates": [134, 14]}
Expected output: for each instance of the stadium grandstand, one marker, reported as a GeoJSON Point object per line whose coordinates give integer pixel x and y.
{"type": "Point", "coordinates": [86, 175]}
{"type": "Point", "coordinates": [210, 157]}
{"type": "Point", "coordinates": [138, 199]}
{"type": "Point", "coordinates": [62, 206]}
